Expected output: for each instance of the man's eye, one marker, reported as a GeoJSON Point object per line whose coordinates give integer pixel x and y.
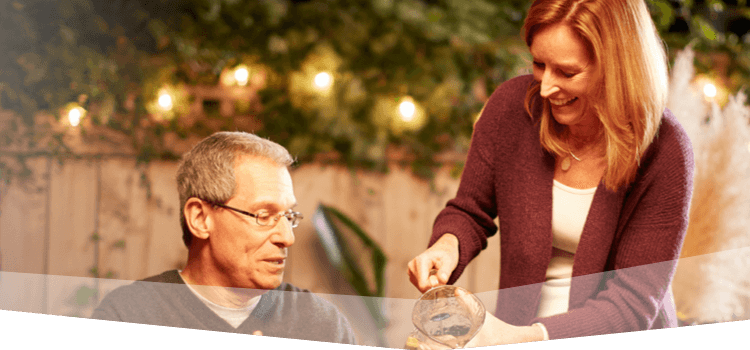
{"type": "Point", "coordinates": [263, 215]}
{"type": "Point", "coordinates": [538, 64]}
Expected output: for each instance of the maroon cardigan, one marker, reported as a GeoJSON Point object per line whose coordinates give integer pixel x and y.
{"type": "Point", "coordinates": [630, 243]}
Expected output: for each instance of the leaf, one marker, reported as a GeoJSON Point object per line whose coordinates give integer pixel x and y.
{"type": "Point", "coordinates": [706, 29]}
{"type": "Point", "coordinates": [84, 295]}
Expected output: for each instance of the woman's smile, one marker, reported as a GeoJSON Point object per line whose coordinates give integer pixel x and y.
{"type": "Point", "coordinates": [563, 102]}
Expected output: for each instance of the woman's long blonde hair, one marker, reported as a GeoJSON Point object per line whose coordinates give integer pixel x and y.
{"type": "Point", "coordinates": [631, 83]}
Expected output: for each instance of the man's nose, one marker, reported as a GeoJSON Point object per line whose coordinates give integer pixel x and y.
{"type": "Point", "coordinates": [283, 234]}
{"type": "Point", "coordinates": [549, 85]}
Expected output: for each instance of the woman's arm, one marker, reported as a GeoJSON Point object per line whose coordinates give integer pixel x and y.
{"type": "Point", "coordinates": [469, 216]}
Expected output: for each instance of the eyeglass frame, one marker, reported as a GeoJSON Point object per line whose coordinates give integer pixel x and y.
{"type": "Point", "coordinates": [293, 221]}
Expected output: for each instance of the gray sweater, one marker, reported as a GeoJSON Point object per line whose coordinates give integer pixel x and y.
{"type": "Point", "coordinates": [286, 312]}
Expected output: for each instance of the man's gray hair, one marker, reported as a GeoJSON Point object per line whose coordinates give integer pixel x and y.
{"type": "Point", "coordinates": [207, 170]}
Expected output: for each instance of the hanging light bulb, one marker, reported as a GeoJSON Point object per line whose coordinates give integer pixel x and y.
{"type": "Point", "coordinates": [241, 75]}
{"type": "Point", "coordinates": [407, 108]}
{"type": "Point", "coordinates": [165, 101]}
{"type": "Point", "coordinates": [322, 80]}
{"type": "Point", "coordinates": [709, 90]}
{"type": "Point", "coordinates": [74, 116]}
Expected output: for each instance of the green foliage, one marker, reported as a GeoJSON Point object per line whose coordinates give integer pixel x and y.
{"type": "Point", "coordinates": [378, 52]}
{"type": "Point", "coordinates": [84, 295]}
{"type": "Point", "coordinates": [446, 55]}
{"type": "Point", "coordinates": [706, 23]}
{"type": "Point", "coordinates": [346, 243]}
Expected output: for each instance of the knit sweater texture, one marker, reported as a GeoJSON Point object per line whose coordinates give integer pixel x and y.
{"type": "Point", "coordinates": [286, 312]}
{"type": "Point", "coordinates": [630, 244]}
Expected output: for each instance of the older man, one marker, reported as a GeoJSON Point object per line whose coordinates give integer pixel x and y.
{"type": "Point", "coordinates": [237, 218]}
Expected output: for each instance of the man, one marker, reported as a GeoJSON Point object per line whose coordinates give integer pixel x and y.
{"type": "Point", "coordinates": [237, 217]}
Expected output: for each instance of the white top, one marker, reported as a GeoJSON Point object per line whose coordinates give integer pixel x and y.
{"type": "Point", "coordinates": [233, 316]}
{"type": "Point", "coordinates": [570, 208]}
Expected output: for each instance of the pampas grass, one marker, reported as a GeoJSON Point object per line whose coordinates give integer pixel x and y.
{"type": "Point", "coordinates": [712, 282]}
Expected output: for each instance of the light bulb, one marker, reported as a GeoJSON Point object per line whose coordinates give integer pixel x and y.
{"type": "Point", "coordinates": [709, 90]}
{"type": "Point", "coordinates": [407, 109]}
{"type": "Point", "coordinates": [74, 116]}
{"type": "Point", "coordinates": [241, 75]}
{"type": "Point", "coordinates": [165, 101]}
{"type": "Point", "coordinates": [323, 80]}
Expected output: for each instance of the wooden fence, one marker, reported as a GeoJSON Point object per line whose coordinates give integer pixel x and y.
{"type": "Point", "coordinates": [106, 213]}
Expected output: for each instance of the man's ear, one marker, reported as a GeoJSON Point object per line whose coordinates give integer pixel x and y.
{"type": "Point", "coordinates": [197, 218]}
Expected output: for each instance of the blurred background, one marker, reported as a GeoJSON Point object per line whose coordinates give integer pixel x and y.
{"type": "Point", "coordinates": [376, 99]}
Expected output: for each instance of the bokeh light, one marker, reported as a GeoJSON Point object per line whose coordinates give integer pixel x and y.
{"type": "Point", "coordinates": [165, 101]}
{"type": "Point", "coordinates": [407, 108]}
{"type": "Point", "coordinates": [709, 90]}
{"type": "Point", "coordinates": [74, 116]}
{"type": "Point", "coordinates": [241, 75]}
{"type": "Point", "coordinates": [323, 80]}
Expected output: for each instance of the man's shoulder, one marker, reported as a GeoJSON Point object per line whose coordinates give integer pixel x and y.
{"type": "Point", "coordinates": [139, 295]}
{"type": "Point", "coordinates": [171, 276]}
{"type": "Point", "coordinates": [148, 285]}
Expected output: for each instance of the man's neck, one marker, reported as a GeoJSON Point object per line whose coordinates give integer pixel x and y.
{"type": "Point", "coordinates": [235, 298]}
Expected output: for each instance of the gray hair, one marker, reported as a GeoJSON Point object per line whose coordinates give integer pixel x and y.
{"type": "Point", "coordinates": [207, 170]}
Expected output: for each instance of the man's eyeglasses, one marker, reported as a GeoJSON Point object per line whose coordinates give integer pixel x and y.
{"type": "Point", "coordinates": [263, 218]}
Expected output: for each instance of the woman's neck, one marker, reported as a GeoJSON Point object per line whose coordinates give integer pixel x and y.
{"type": "Point", "coordinates": [581, 138]}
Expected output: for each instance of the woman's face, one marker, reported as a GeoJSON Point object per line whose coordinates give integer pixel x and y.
{"type": "Point", "coordinates": [565, 69]}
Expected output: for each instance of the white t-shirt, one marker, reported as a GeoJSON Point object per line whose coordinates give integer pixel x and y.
{"type": "Point", "coordinates": [570, 208]}
{"type": "Point", "coordinates": [233, 316]}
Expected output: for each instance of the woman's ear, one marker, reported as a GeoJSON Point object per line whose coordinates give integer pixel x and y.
{"type": "Point", "coordinates": [197, 218]}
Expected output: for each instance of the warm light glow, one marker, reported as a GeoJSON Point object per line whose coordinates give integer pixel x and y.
{"type": "Point", "coordinates": [165, 101]}
{"type": "Point", "coordinates": [323, 80]}
{"type": "Point", "coordinates": [407, 109]}
{"type": "Point", "coordinates": [709, 90]}
{"type": "Point", "coordinates": [74, 116]}
{"type": "Point", "coordinates": [241, 75]}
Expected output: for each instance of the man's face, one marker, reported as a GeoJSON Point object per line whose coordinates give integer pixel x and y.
{"type": "Point", "coordinates": [245, 254]}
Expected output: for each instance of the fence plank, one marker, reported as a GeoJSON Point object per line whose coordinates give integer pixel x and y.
{"type": "Point", "coordinates": [123, 221]}
{"type": "Point", "coordinates": [73, 196]}
{"type": "Point", "coordinates": [22, 240]}
{"type": "Point", "coordinates": [165, 249]}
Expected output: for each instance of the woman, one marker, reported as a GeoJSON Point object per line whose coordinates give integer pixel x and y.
{"type": "Point", "coordinates": [589, 175]}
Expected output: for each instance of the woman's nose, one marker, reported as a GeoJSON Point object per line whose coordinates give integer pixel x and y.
{"type": "Point", "coordinates": [548, 86]}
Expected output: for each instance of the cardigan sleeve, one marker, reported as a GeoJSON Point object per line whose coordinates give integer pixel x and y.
{"type": "Point", "coordinates": [469, 216]}
{"type": "Point", "coordinates": [653, 222]}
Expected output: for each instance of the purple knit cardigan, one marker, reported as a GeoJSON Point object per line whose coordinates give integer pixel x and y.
{"type": "Point", "coordinates": [630, 243]}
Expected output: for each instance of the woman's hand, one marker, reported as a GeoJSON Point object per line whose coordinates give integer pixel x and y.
{"type": "Point", "coordinates": [441, 257]}
{"type": "Point", "coordinates": [496, 332]}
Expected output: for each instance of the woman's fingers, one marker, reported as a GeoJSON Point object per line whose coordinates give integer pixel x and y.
{"type": "Point", "coordinates": [441, 259]}
{"type": "Point", "coordinates": [420, 269]}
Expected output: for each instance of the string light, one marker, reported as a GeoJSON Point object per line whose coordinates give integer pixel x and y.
{"type": "Point", "coordinates": [709, 90]}
{"type": "Point", "coordinates": [74, 116]}
{"type": "Point", "coordinates": [241, 75]}
{"type": "Point", "coordinates": [407, 109]}
{"type": "Point", "coordinates": [165, 101]}
{"type": "Point", "coordinates": [323, 80]}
